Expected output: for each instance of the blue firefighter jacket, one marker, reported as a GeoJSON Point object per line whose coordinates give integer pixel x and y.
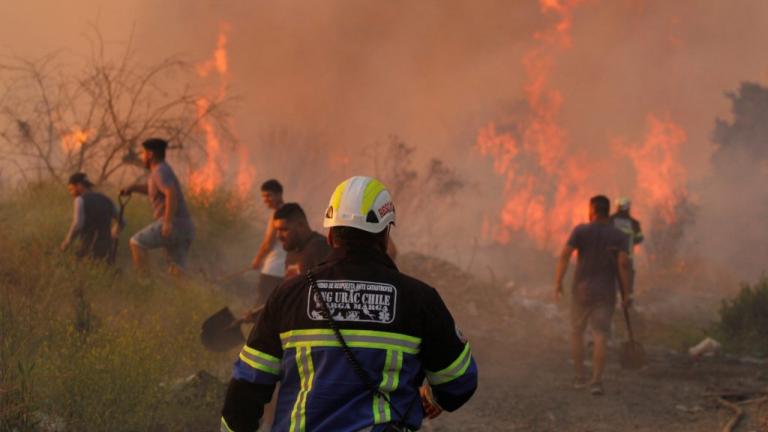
{"type": "Point", "coordinates": [397, 327]}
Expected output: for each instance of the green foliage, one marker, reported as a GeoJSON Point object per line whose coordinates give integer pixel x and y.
{"type": "Point", "coordinates": [744, 320]}
{"type": "Point", "coordinates": [89, 347]}
{"type": "Point", "coordinates": [748, 129]}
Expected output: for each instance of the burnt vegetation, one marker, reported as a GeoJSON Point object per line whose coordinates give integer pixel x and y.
{"type": "Point", "coordinates": [423, 195]}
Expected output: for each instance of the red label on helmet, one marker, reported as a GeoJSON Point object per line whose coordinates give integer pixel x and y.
{"type": "Point", "coordinates": [388, 207]}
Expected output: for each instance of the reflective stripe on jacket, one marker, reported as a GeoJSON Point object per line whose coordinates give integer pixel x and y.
{"type": "Point", "coordinates": [397, 327]}
{"type": "Point", "coordinates": [631, 227]}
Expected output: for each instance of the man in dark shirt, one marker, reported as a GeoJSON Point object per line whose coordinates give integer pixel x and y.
{"type": "Point", "coordinates": [603, 264]}
{"type": "Point", "coordinates": [306, 248]}
{"type": "Point", "coordinates": [92, 219]}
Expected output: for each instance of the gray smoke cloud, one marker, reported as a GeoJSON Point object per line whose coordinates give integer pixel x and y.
{"type": "Point", "coordinates": [330, 81]}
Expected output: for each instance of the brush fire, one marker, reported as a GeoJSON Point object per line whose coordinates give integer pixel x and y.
{"type": "Point", "coordinates": [343, 216]}
{"type": "Point", "coordinates": [204, 180]}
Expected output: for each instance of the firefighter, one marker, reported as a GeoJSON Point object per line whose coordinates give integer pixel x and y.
{"type": "Point", "coordinates": [397, 329]}
{"type": "Point", "coordinates": [631, 227]}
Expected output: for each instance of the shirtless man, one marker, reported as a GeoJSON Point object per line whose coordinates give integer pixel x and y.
{"type": "Point", "coordinates": [270, 259]}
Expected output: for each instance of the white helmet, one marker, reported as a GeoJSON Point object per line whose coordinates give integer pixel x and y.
{"type": "Point", "coordinates": [360, 202]}
{"type": "Point", "coordinates": [624, 203]}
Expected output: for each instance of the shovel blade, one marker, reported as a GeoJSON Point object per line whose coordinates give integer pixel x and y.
{"type": "Point", "coordinates": [221, 332]}
{"type": "Point", "coordinates": [632, 355]}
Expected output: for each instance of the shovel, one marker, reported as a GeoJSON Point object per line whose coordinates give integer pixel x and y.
{"type": "Point", "coordinates": [632, 352]}
{"type": "Point", "coordinates": [123, 200]}
{"type": "Point", "coordinates": [221, 331]}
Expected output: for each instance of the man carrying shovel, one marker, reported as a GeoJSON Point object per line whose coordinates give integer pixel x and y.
{"type": "Point", "coordinates": [602, 264]}
{"type": "Point", "coordinates": [172, 229]}
{"type": "Point", "coordinates": [306, 249]}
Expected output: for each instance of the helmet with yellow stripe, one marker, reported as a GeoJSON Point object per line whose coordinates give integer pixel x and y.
{"type": "Point", "coordinates": [624, 203]}
{"type": "Point", "coordinates": [360, 202]}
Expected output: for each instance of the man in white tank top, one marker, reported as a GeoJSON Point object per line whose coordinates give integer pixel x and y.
{"type": "Point", "coordinates": [270, 259]}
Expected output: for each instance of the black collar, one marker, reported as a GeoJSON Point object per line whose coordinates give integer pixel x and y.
{"type": "Point", "coordinates": [359, 255]}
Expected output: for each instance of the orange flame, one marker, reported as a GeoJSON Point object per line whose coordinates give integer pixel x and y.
{"type": "Point", "coordinates": [542, 202]}
{"type": "Point", "coordinates": [538, 193]}
{"type": "Point", "coordinates": [661, 179]}
{"type": "Point", "coordinates": [209, 176]}
{"type": "Point", "coordinates": [246, 174]}
{"type": "Point", "coordinates": [73, 140]}
{"type": "Point", "coordinates": [546, 185]}
{"type": "Point", "coordinates": [203, 181]}
{"type": "Point", "coordinates": [218, 61]}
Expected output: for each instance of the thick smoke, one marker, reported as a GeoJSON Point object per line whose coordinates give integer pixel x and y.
{"type": "Point", "coordinates": [734, 200]}
{"type": "Point", "coordinates": [323, 85]}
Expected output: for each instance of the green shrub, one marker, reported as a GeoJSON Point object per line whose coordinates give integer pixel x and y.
{"type": "Point", "coordinates": [743, 322]}
{"type": "Point", "coordinates": [91, 347]}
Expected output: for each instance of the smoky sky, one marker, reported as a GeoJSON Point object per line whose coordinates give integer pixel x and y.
{"type": "Point", "coordinates": [346, 73]}
{"type": "Point", "coordinates": [432, 71]}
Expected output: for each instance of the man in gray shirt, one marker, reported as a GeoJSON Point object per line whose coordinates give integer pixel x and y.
{"type": "Point", "coordinates": [172, 229]}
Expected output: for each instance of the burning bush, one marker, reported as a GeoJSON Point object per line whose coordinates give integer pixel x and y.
{"type": "Point", "coordinates": [58, 116]}
{"type": "Point", "coordinates": [744, 320]}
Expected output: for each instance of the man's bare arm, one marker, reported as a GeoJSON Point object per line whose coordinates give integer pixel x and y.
{"type": "Point", "coordinates": [137, 188]}
{"type": "Point", "coordinates": [562, 268]}
{"type": "Point", "coordinates": [78, 220]}
{"type": "Point", "coordinates": [266, 246]}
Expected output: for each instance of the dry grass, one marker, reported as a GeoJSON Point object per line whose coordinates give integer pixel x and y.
{"type": "Point", "coordinates": [89, 347]}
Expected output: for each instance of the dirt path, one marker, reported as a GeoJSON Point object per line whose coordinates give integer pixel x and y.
{"type": "Point", "coordinates": [517, 335]}
{"type": "Point", "coordinates": [525, 387]}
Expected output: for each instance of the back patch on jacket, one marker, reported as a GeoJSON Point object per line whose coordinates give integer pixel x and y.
{"type": "Point", "coordinates": [357, 301]}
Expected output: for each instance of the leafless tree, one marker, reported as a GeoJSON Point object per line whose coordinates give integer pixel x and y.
{"type": "Point", "coordinates": [54, 122]}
